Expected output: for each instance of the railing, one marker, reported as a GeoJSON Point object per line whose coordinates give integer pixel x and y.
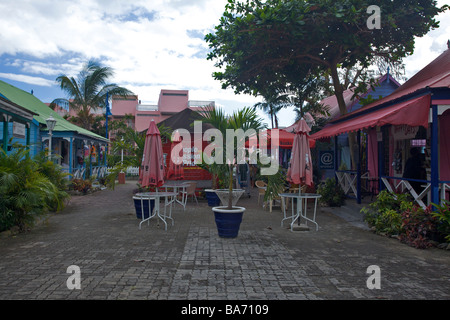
{"type": "Point", "coordinates": [347, 181]}
{"type": "Point", "coordinates": [131, 171]}
{"type": "Point", "coordinates": [100, 172]}
{"type": "Point", "coordinates": [403, 184]}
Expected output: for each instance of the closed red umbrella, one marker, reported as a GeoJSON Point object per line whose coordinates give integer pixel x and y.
{"type": "Point", "coordinates": [152, 165]}
{"type": "Point", "coordinates": [300, 168]}
{"type": "Point", "coordinates": [176, 171]}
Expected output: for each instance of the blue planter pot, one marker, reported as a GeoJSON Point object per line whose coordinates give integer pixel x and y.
{"type": "Point", "coordinates": [147, 210]}
{"type": "Point", "coordinates": [213, 199]}
{"type": "Point", "coordinates": [228, 222]}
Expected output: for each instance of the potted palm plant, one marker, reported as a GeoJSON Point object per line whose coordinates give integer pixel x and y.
{"type": "Point", "coordinates": [228, 217]}
{"type": "Point", "coordinates": [217, 181]}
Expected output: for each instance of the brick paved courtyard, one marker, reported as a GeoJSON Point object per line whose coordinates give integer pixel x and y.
{"type": "Point", "coordinates": [99, 233]}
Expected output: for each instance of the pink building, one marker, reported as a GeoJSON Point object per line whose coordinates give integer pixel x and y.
{"type": "Point", "coordinates": [170, 102]}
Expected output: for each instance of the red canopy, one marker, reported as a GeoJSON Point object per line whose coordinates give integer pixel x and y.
{"type": "Point", "coordinates": [413, 112]}
{"type": "Point", "coordinates": [285, 139]}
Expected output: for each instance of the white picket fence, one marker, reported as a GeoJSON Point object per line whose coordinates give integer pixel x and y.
{"type": "Point", "coordinates": [131, 171]}
{"type": "Point", "coordinates": [102, 171]}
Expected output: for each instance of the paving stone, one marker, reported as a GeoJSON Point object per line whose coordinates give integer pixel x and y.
{"type": "Point", "coordinates": [99, 233]}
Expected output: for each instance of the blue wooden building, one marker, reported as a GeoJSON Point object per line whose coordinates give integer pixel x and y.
{"type": "Point", "coordinates": [24, 121]}
{"type": "Point", "coordinates": [415, 116]}
{"type": "Point", "coordinates": [340, 153]}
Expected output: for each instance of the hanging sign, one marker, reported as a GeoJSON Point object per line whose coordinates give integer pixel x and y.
{"type": "Point", "coordinates": [403, 132]}
{"type": "Point", "coordinates": [19, 130]}
{"type": "Point", "coordinates": [326, 159]}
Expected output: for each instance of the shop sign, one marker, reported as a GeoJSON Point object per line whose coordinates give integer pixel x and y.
{"type": "Point", "coordinates": [326, 159]}
{"type": "Point", "coordinates": [404, 132]}
{"type": "Point", "coordinates": [18, 130]}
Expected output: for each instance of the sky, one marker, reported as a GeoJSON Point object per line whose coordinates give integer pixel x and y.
{"type": "Point", "coordinates": [150, 44]}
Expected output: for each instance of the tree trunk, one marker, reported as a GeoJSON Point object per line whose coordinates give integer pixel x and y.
{"type": "Point", "coordinates": [339, 92]}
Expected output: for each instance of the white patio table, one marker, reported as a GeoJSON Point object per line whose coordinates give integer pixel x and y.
{"type": "Point", "coordinates": [177, 187]}
{"type": "Point", "coordinates": [301, 210]}
{"type": "Point", "coordinates": [157, 211]}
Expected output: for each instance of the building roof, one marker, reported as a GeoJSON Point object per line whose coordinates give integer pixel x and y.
{"type": "Point", "coordinates": [333, 105]}
{"type": "Point", "coordinates": [14, 108]}
{"type": "Point", "coordinates": [434, 75]}
{"type": "Point", "coordinates": [409, 104]}
{"type": "Point", "coordinates": [42, 111]}
{"type": "Point", "coordinates": [184, 120]}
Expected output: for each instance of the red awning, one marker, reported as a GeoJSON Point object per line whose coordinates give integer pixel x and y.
{"type": "Point", "coordinates": [414, 112]}
{"type": "Point", "coordinates": [285, 139]}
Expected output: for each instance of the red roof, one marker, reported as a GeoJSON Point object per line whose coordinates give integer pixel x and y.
{"type": "Point", "coordinates": [413, 112]}
{"type": "Point", "coordinates": [435, 75]}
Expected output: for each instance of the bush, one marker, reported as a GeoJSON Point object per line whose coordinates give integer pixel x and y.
{"type": "Point", "coordinates": [25, 189]}
{"type": "Point", "coordinates": [331, 192]}
{"type": "Point", "coordinates": [442, 215]}
{"type": "Point", "coordinates": [384, 214]}
{"type": "Point", "coordinates": [82, 185]}
{"type": "Point", "coordinates": [396, 214]}
{"type": "Point", "coordinates": [418, 226]}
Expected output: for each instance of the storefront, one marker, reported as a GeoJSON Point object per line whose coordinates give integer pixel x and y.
{"type": "Point", "coordinates": [25, 121]}
{"type": "Point", "coordinates": [414, 117]}
{"type": "Point", "coordinates": [15, 124]}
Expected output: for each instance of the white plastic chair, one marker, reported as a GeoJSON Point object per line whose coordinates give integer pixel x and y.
{"type": "Point", "coordinates": [189, 191]}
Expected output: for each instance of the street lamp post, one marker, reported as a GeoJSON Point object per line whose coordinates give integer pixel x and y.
{"type": "Point", "coordinates": [50, 126]}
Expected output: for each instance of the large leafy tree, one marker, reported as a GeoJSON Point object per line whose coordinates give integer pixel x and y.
{"type": "Point", "coordinates": [259, 41]}
{"type": "Point", "coordinates": [88, 91]}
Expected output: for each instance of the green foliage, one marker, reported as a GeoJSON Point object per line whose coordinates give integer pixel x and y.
{"type": "Point", "coordinates": [110, 179]}
{"type": "Point", "coordinates": [384, 214]}
{"type": "Point", "coordinates": [418, 226]}
{"type": "Point", "coordinates": [219, 173]}
{"type": "Point", "coordinates": [28, 188]}
{"type": "Point", "coordinates": [262, 43]}
{"type": "Point", "coordinates": [82, 185]}
{"type": "Point", "coordinates": [331, 192]}
{"type": "Point", "coordinates": [396, 214]}
{"type": "Point", "coordinates": [442, 214]}
{"type": "Point", "coordinates": [245, 119]}
{"type": "Point", "coordinates": [88, 91]}
{"type": "Point", "coordinates": [275, 184]}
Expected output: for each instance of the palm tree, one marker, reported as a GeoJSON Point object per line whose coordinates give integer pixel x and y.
{"type": "Point", "coordinates": [271, 106]}
{"type": "Point", "coordinates": [244, 119]}
{"type": "Point", "coordinates": [88, 91]}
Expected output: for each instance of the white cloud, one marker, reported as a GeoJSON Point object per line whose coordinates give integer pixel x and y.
{"type": "Point", "coordinates": [27, 79]}
{"type": "Point", "coordinates": [151, 45]}
{"type": "Point", "coordinates": [430, 46]}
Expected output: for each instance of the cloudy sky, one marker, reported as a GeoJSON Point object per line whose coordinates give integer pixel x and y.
{"type": "Point", "coordinates": [150, 44]}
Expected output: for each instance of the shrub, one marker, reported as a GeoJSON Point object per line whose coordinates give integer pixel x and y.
{"type": "Point", "coordinates": [82, 185]}
{"type": "Point", "coordinates": [384, 214]}
{"type": "Point", "coordinates": [331, 192]}
{"type": "Point", "coordinates": [25, 190]}
{"type": "Point", "coordinates": [418, 225]}
{"type": "Point", "coordinates": [442, 215]}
